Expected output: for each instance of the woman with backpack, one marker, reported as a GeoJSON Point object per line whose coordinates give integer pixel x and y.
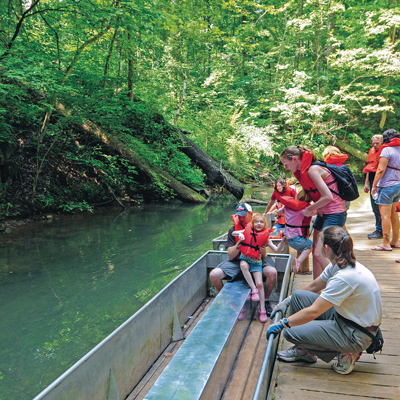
{"type": "Point", "coordinates": [386, 189]}
{"type": "Point", "coordinates": [320, 184]}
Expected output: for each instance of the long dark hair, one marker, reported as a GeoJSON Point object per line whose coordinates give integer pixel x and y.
{"type": "Point", "coordinates": [291, 151]}
{"type": "Point", "coordinates": [282, 182]}
{"type": "Point", "coordinates": [341, 244]}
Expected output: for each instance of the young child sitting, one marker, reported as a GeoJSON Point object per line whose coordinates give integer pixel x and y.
{"type": "Point", "coordinates": [297, 226]}
{"type": "Point", "coordinates": [252, 239]}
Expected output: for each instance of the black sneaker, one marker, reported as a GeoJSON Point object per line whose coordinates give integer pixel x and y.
{"type": "Point", "coordinates": [375, 235]}
{"type": "Point", "coordinates": [268, 307]}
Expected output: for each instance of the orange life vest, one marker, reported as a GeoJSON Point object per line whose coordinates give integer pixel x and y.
{"type": "Point", "coordinates": [302, 176]}
{"type": "Point", "coordinates": [253, 241]}
{"type": "Point", "coordinates": [371, 165]}
{"type": "Point", "coordinates": [337, 159]}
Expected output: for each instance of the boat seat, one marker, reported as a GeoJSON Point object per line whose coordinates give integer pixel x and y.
{"type": "Point", "coordinates": [202, 365]}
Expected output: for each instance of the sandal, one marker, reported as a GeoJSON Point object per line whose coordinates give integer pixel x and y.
{"type": "Point", "coordinates": [380, 248]}
{"type": "Point", "coordinates": [263, 317]}
{"type": "Point", "coordinates": [255, 296]}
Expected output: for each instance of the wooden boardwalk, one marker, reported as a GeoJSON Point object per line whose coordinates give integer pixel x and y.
{"type": "Point", "coordinates": [370, 379]}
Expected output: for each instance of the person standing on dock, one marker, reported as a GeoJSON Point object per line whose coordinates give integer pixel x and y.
{"type": "Point", "coordinates": [331, 324]}
{"type": "Point", "coordinates": [369, 170]}
{"type": "Point", "coordinates": [320, 184]}
{"type": "Point", "coordinates": [386, 189]}
{"type": "Point", "coordinates": [230, 269]}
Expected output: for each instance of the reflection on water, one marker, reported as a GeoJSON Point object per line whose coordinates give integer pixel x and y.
{"type": "Point", "coordinates": [65, 286]}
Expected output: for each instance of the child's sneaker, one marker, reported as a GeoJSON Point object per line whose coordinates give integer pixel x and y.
{"type": "Point", "coordinates": [296, 354]}
{"type": "Point", "coordinates": [345, 362]}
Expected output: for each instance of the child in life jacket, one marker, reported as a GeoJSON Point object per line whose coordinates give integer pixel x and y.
{"type": "Point", "coordinates": [297, 226]}
{"type": "Point", "coordinates": [252, 239]}
{"type": "Point", "coordinates": [281, 188]}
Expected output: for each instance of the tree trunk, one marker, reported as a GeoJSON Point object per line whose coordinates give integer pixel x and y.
{"type": "Point", "coordinates": [110, 51]}
{"type": "Point", "coordinates": [215, 173]}
{"type": "Point", "coordinates": [152, 173]}
{"type": "Point", "coordinates": [130, 65]}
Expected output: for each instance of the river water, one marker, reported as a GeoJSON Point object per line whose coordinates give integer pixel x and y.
{"type": "Point", "coordinates": [65, 285]}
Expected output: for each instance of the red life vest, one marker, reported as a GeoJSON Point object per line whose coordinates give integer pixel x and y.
{"type": "Point", "coordinates": [371, 165]}
{"type": "Point", "coordinates": [302, 176]}
{"type": "Point", "coordinates": [337, 159]}
{"type": "Point", "coordinates": [297, 205]}
{"type": "Point", "coordinates": [253, 241]}
{"type": "Point", "coordinates": [281, 217]}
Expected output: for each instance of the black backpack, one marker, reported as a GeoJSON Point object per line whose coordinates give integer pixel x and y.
{"type": "Point", "coordinates": [344, 177]}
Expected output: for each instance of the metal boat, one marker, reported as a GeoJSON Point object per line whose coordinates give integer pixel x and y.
{"type": "Point", "coordinates": [117, 365]}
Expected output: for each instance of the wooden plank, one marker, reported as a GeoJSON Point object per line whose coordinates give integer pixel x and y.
{"type": "Point", "coordinates": [363, 373]}
{"type": "Point", "coordinates": [317, 382]}
{"type": "Point", "coordinates": [247, 368]}
{"type": "Point", "coordinates": [284, 393]}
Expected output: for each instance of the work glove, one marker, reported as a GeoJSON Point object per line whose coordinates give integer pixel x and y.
{"type": "Point", "coordinates": [278, 327]}
{"type": "Point", "coordinates": [282, 307]}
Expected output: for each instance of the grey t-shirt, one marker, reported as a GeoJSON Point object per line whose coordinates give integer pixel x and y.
{"type": "Point", "coordinates": [391, 176]}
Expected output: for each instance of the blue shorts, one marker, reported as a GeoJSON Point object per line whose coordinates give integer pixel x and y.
{"type": "Point", "coordinates": [388, 195]}
{"type": "Point", "coordinates": [338, 219]}
{"type": "Point", "coordinates": [254, 265]}
{"type": "Point", "coordinates": [299, 243]}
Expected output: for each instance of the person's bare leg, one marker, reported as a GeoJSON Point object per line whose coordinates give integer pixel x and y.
{"type": "Point", "coordinates": [244, 266]}
{"type": "Point", "coordinates": [304, 255]}
{"type": "Point", "coordinates": [260, 286]}
{"type": "Point", "coordinates": [385, 211]}
{"type": "Point", "coordinates": [394, 217]}
{"type": "Point", "coordinates": [271, 276]}
{"type": "Point", "coordinates": [319, 261]}
{"type": "Point", "coordinates": [216, 276]}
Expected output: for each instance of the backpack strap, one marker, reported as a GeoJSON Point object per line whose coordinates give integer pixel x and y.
{"type": "Point", "coordinates": [397, 169]}
{"type": "Point", "coordinates": [359, 327]}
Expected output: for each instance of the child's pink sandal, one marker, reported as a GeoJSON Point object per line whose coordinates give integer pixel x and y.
{"type": "Point", "coordinates": [263, 317]}
{"type": "Point", "coordinates": [255, 296]}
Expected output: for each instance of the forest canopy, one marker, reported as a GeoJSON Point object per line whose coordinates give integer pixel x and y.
{"type": "Point", "coordinates": [243, 79]}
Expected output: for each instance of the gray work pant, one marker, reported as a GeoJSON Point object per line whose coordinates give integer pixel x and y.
{"type": "Point", "coordinates": [328, 335]}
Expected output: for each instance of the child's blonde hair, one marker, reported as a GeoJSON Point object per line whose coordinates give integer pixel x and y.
{"type": "Point", "coordinates": [303, 196]}
{"type": "Point", "coordinates": [257, 216]}
{"type": "Point", "coordinates": [331, 151]}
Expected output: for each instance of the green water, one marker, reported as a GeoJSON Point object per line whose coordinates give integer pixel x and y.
{"type": "Point", "coordinates": [66, 285]}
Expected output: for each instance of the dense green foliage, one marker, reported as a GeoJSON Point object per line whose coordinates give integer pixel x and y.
{"type": "Point", "coordinates": [258, 77]}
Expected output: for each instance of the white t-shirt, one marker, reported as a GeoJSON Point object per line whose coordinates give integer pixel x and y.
{"type": "Point", "coordinates": [354, 292]}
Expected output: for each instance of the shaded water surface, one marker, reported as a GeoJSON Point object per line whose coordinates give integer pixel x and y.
{"type": "Point", "coordinates": [66, 285]}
